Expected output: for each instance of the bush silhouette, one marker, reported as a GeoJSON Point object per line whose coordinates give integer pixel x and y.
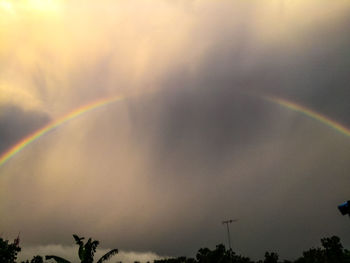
{"type": "Point", "coordinates": [8, 251]}
{"type": "Point", "coordinates": [331, 251]}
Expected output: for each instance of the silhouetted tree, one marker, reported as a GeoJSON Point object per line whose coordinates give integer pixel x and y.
{"type": "Point", "coordinates": [313, 255]}
{"type": "Point", "coordinates": [333, 249]}
{"type": "Point", "coordinates": [176, 260]}
{"type": "Point", "coordinates": [332, 252]}
{"type": "Point", "coordinates": [8, 251]}
{"type": "Point", "coordinates": [86, 252]}
{"type": "Point", "coordinates": [271, 257]}
{"type": "Point", "coordinates": [220, 255]}
{"type": "Point", "coordinates": [35, 259]}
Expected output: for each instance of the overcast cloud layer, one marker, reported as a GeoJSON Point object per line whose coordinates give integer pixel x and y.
{"type": "Point", "coordinates": [159, 171]}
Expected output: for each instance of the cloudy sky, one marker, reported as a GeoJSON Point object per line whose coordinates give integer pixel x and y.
{"type": "Point", "coordinates": [193, 142]}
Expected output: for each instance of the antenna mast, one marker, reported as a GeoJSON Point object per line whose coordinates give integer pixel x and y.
{"type": "Point", "coordinates": [227, 222]}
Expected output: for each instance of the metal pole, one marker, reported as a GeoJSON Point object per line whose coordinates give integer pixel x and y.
{"type": "Point", "coordinates": [228, 230]}
{"type": "Point", "coordinates": [228, 236]}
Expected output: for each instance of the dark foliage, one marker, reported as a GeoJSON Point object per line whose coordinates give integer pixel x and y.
{"type": "Point", "coordinates": [35, 259]}
{"type": "Point", "coordinates": [332, 251]}
{"type": "Point", "coordinates": [205, 255]}
{"type": "Point", "coordinates": [8, 251]}
{"type": "Point", "coordinates": [86, 252]}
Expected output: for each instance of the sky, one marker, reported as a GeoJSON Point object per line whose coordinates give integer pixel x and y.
{"type": "Point", "coordinates": [193, 140]}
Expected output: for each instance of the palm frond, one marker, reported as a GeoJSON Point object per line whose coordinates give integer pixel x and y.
{"type": "Point", "coordinates": [108, 255]}
{"type": "Point", "coordinates": [57, 259]}
{"type": "Point", "coordinates": [78, 240]}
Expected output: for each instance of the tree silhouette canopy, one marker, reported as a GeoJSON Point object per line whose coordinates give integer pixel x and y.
{"type": "Point", "coordinates": [8, 251]}
{"type": "Point", "coordinates": [331, 251]}
{"type": "Point", "coordinates": [86, 252]}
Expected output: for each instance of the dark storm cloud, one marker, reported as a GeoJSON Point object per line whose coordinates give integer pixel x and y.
{"type": "Point", "coordinates": [314, 73]}
{"type": "Point", "coordinates": [210, 150]}
{"type": "Point", "coordinates": [211, 123]}
{"type": "Point", "coordinates": [16, 123]}
{"type": "Point", "coordinates": [223, 154]}
{"type": "Point", "coordinates": [312, 69]}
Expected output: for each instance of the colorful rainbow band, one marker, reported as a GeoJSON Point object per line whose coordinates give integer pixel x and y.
{"type": "Point", "coordinates": [310, 113]}
{"type": "Point", "coordinates": [54, 124]}
{"type": "Point", "coordinates": [102, 102]}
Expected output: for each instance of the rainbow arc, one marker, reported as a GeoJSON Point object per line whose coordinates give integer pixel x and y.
{"type": "Point", "coordinates": [19, 146]}
{"type": "Point", "coordinates": [309, 113]}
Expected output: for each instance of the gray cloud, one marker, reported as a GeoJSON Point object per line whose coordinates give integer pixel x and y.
{"type": "Point", "coordinates": [70, 253]}
{"type": "Point", "coordinates": [16, 123]}
{"type": "Point", "coordinates": [159, 172]}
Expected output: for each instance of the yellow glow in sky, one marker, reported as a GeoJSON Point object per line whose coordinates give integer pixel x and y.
{"type": "Point", "coordinates": [30, 5]}
{"type": "Point", "coordinates": [6, 6]}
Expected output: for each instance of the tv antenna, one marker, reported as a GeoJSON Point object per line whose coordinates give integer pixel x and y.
{"type": "Point", "coordinates": [227, 222]}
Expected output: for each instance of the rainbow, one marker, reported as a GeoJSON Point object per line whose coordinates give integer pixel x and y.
{"type": "Point", "coordinates": [102, 102]}
{"type": "Point", "coordinates": [54, 124]}
{"type": "Point", "coordinates": [310, 113]}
